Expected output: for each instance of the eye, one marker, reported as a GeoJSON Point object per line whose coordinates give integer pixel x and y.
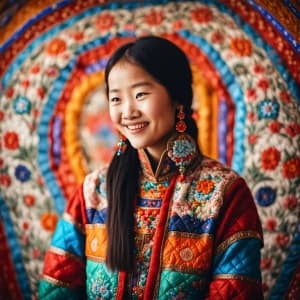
{"type": "Point", "coordinates": [115, 100]}
{"type": "Point", "coordinates": [141, 95]}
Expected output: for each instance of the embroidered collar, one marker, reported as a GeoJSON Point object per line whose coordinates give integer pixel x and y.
{"type": "Point", "coordinates": [166, 168]}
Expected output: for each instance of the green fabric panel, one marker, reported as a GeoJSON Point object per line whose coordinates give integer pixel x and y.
{"type": "Point", "coordinates": [101, 282]}
{"type": "Point", "coordinates": [182, 285]}
{"type": "Point", "coordinates": [49, 291]}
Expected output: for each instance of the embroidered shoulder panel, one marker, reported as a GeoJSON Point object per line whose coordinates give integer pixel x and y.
{"type": "Point", "coordinates": [198, 199]}
{"type": "Point", "coordinates": [94, 189]}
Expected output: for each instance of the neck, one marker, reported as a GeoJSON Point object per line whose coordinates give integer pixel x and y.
{"type": "Point", "coordinates": [153, 161]}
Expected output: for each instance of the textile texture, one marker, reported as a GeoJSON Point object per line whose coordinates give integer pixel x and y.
{"type": "Point", "coordinates": [55, 127]}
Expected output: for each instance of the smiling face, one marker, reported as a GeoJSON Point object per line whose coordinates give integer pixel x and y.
{"type": "Point", "coordinates": [140, 107]}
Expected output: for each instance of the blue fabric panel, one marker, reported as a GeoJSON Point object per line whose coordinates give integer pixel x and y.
{"type": "Point", "coordinates": [190, 224]}
{"type": "Point", "coordinates": [68, 238]}
{"type": "Point", "coordinates": [240, 258]}
{"type": "Point", "coordinates": [95, 216]}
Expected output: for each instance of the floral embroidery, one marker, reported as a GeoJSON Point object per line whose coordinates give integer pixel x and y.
{"type": "Point", "coordinates": [270, 224]}
{"type": "Point", "coordinates": [35, 69]}
{"type": "Point", "coordinates": [241, 46]}
{"type": "Point", "coordinates": [94, 190]}
{"type": "Point", "coordinates": [285, 96]}
{"type": "Point", "coordinates": [183, 149]}
{"type": "Point", "coordinates": [9, 92]}
{"type": "Point", "coordinates": [291, 168]}
{"type": "Point", "coordinates": [265, 196]}
{"type": "Point", "coordinates": [217, 37]}
{"type": "Point", "coordinates": [263, 84]}
{"type": "Point", "coordinates": [270, 158]}
{"type": "Point", "coordinates": [240, 69]}
{"type": "Point", "coordinates": [29, 200]}
{"type": "Point", "coordinates": [22, 105]}
{"type": "Point", "coordinates": [5, 180]}
{"type": "Point", "coordinates": [290, 202]}
{"type": "Point", "coordinates": [252, 139]}
{"type": "Point", "coordinates": [56, 46]}
{"type": "Point", "coordinates": [274, 126]}
{"type": "Point", "coordinates": [104, 21]}
{"type": "Point", "coordinates": [202, 15]}
{"type": "Point", "coordinates": [258, 69]}
{"type": "Point", "coordinates": [205, 186]}
{"type": "Point", "coordinates": [154, 18]}
{"type": "Point", "coordinates": [22, 173]}
{"type": "Point", "coordinates": [48, 221]}
{"type": "Point", "coordinates": [28, 82]}
{"type": "Point", "coordinates": [146, 219]}
{"type": "Point", "coordinates": [266, 263]}
{"type": "Point", "coordinates": [292, 129]}
{"type": "Point", "coordinates": [282, 240]}
{"type": "Point", "coordinates": [143, 250]}
{"type": "Point", "coordinates": [11, 140]}
{"type": "Point", "coordinates": [200, 199]}
{"type": "Point", "coordinates": [268, 109]}
{"type": "Point", "coordinates": [101, 288]}
{"type": "Point", "coordinates": [152, 190]}
{"type": "Point", "coordinates": [251, 94]}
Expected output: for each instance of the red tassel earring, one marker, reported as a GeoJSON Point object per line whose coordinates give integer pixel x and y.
{"type": "Point", "coordinates": [181, 148]}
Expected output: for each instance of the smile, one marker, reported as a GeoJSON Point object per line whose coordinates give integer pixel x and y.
{"type": "Point", "coordinates": [135, 127]}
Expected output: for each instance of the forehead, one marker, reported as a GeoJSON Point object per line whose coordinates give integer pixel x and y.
{"type": "Point", "coordinates": [125, 73]}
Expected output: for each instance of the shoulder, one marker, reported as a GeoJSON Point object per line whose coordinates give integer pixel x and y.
{"type": "Point", "coordinates": [94, 188]}
{"type": "Point", "coordinates": [211, 184]}
{"type": "Point", "coordinates": [213, 172]}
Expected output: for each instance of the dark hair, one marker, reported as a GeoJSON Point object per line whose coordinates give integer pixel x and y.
{"type": "Point", "coordinates": [168, 64]}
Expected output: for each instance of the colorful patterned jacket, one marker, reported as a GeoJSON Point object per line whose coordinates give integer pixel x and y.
{"type": "Point", "coordinates": [199, 238]}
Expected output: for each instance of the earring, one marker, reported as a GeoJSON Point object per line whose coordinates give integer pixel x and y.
{"type": "Point", "coordinates": [181, 148]}
{"type": "Point", "coordinates": [121, 146]}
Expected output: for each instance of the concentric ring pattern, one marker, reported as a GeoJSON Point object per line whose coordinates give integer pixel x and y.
{"type": "Point", "coordinates": [55, 126]}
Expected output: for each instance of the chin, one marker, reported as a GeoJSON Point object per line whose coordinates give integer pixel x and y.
{"type": "Point", "coordinates": [137, 145]}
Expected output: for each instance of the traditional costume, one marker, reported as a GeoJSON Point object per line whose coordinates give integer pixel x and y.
{"type": "Point", "coordinates": [195, 238]}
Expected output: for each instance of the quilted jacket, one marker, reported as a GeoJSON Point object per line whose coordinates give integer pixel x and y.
{"type": "Point", "coordinates": [199, 238]}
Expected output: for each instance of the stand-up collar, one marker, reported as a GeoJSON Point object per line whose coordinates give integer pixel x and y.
{"type": "Point", "coordinates": [166, 168]}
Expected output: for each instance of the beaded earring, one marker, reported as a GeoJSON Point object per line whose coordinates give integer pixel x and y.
{"type": "Point", "coordinates": [121, 146]}
{"type": "Point", "coordinates": [181, 148]}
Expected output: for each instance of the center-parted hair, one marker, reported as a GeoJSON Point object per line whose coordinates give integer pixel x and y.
{"type": "Point", "coordinates": [167, 64]}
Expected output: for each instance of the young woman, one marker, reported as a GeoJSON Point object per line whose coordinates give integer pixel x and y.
{"type": "Point", "coordinates": [162, 221]}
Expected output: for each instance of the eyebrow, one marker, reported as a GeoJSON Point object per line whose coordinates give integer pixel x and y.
{"type": "Point", "coordinates": [135, 85]}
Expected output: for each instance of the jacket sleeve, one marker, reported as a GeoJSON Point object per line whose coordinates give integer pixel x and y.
{"type": "Point", "coordinates": [64, 265]}
{"type": "Point", "coordinates": [236, 265]}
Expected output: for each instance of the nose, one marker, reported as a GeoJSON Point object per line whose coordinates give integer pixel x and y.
{"type": "Point", "coordinates": [130, 111]}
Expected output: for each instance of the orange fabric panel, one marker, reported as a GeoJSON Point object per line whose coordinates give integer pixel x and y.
{"type": "Point", "coordinates": [96, 241]}
{"type": "Point", "coordinates": [188, 252]}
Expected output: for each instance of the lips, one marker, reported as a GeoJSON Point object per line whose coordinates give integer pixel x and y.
{"type": "Point", "coordinates": [136, 126]}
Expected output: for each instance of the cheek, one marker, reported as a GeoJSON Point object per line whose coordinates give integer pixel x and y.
{"type": "Point", "coordinates": [113, 115]}
{"type": "Point", "coordinates": [164, 113]}
{"type": "Point", "coordinates": [158, 111]}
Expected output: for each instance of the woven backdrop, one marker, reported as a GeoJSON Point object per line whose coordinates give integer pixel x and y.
{"type": "Point", "coordinates": [54, 123]}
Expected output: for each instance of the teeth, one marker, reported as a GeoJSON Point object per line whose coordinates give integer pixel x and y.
{"type": "Point", "coordinates": [136, 126]}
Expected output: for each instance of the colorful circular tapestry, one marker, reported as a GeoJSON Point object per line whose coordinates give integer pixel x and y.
{"type": "Point", "coordinates": [55, 126]}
